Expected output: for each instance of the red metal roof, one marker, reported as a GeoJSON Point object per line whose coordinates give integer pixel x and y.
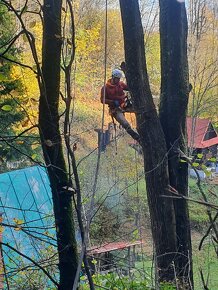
{"type": "Point", "coordinates": [210, 142]}
{"type": "Point", "coordinates": [200, 128]}
{"type": "Point", "coordinates": [112, 247]}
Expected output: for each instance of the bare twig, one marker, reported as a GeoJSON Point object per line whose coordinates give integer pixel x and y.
{"type": "Point", "coordinates": [203, 280]}
{"type": "Point", "coordinates": [207, 232]}
{"type": "Point", "coordinates": [31, 260]}
{"type": "Point", "coordinates": [203, 195]}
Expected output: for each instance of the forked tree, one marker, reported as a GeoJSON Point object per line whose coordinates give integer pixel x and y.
{"type": "Point", "coordinates": [163, 136]}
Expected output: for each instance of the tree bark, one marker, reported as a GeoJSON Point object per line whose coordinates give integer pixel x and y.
{"type": "Point", "coordinates": [173, 108]}
{"type": "Point", "coordinates": [169, 220]}
{"type": "Point", "coordinates": [52, 144]}
{"type": "Point", "coordinates": [152, 141]}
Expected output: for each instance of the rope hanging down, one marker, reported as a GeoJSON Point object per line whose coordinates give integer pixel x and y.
{"type": "Point", "coordinates": [89, 217]}
{"type": "Point", "coordinates": [105, 65]}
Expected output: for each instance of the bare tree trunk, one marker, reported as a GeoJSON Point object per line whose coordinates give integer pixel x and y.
{"type": "Point", "coordinates": [152, 140]}
{"type": "Point", "coordinates": [173, 108]}
{"type": "Point", "coordinates": [52, 144]}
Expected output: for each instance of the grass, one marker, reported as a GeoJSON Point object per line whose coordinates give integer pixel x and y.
{"type": "Point", "coordinates": [205, 260]}
{"type": "Point", "coordinates": [198, 213]}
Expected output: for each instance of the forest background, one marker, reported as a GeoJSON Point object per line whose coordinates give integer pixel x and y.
{"type": "Point", "coordinates": [121, 212]}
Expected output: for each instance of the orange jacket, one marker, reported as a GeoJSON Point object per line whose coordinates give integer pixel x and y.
{"type": "Point", "coordinates": [113, 93]}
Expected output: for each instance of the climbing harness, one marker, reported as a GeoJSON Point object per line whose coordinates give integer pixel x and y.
{"type": "Point", "coordinates": [127, 106]}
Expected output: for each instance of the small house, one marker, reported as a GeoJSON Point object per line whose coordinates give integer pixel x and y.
{"type": "Point", "coordinates": [202, 136]}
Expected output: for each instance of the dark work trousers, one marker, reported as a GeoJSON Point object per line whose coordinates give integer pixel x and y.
{"type": "Point", "coordinates": [118, 115]}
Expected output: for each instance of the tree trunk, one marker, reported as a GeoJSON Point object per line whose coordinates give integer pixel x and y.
{"type": "Point", "coordinates": [52, 144]}
{"type": "Point", "coordinates": [173, 108]}
{"type": "Point", "coordinates": [170, 221]}
{"type": "Point", "coordinates": [152, 140]}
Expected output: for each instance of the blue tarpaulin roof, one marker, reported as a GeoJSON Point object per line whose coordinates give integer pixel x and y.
{"type": "Point", "coordinates": [26, 206]}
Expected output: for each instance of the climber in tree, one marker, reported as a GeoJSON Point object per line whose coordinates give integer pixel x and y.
{"type": "Point", "coordinates": [113, 95]}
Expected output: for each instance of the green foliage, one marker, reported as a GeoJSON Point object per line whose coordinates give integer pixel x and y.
{"type": "Point", "coordinates": [167, 286]}
{"type": "Point", "coordinates": [13, 117]}
{"type": "Point", "coordinates": [9, 113]}
{"type": "Point", "coordinates": [29, 277]}
{"type": "Point", "coordinates": [120, 199]}
{"type": "Point", "coordinates": [116, 282]}
{"type": "Point", "coordinates": [205, 260]}
{"type": "Point", "coordinates": [197, 212]}
{"type": "Point", "coordinates": [7, 24]}
{"type": "Point", "coordinates": [105, 225]}
{"type": "Point", "coordinates": [6, 108]}
{"type": "Point", "coordinates": [8, 121]}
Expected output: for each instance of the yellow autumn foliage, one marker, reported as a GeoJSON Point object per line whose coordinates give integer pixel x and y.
{"type": "Point", "coordinates": [30, 96]}
{"type": "Point", "coordinates": [203, 69]}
